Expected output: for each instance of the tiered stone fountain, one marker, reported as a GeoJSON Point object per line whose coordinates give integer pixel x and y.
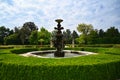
{"type": "Point", "coordinates": [59, 45]}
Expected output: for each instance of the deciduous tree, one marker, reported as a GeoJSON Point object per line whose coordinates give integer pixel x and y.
{"type": "Point", "coordinates": [44, 35]}
{"type": "Point", "coordinates": [84, 29]}
{"type": "Point", "coordinates": [33, 39]}
{"type": "Point", "coordinates": [4, 32]}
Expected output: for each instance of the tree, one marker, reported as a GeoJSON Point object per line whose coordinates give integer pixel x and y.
{"type": "Point", "coordinates": [23, 35]}
{"type": "Point", "coordinates": [101, 33]}
{"type": "Point", "coordinates": [112, 36]}
{"type": "Point", "coordinates": [33, 39]}
{"type": "Point", "coordinates": [53, 38]}
{"type": "Point", "coordinates": [81, 39]}
{"type": "Point", "coordinates": [74, 36]}
{"type": "Point", "coordinates": [67, 35]}
{"type": "Point", "coordinates": [4, 32]}
{"type": "Point", "coordinates": [16, 29]}
{"type": "Point", "coordinates": [41, 41]}
{"type": "Point", "coordinates": [44, 35]}
{"type": "Point", "coordinates": [112, 32]}
{"type": "Point", "coordinates": [101, 39]}
{"type": "Point", "coordinates": [30, 26]}
{"type": "Point", "coordinates": [12, 39]}
{"type": "Point", "coordinates": [84, 29]}
{"type": "Point", "coordinates": [26, 31]}
{"type": "Point", "coordinates": [93, 37]}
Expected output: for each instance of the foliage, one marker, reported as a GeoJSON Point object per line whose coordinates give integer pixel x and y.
{"type": "Point", "coordinates": [20, 51]}
{"type": "Point", "coordinates": [110, 36]}
{"type": "Point", "coordinates": [21, 35]}
{"type": "Point", "coordinates": [67, 36]}
{"type": "Point", "coordinates": [102, 66]}
{"type": "Point", "coordinates": [92, 37]}
{"type": "Point", "coordinates": [88, 35]}
{"type": "Point", "coordinates": [30, 26]}
{"type": "Point", "coordinates": [44, 36]}
{"type": "Point", "coordinates": [74, 36]}
{"type": "Point", "coordinates": [85, 29]}
{"type": "Point", "coordinates": [81, 39]}
{"type": "Point", "coordinates": [4, 32]}
{"type": "Point", "coordinates": [12, 39]}
{"type": "Point", "coordinates": [26, 31]}
{"type": "Point", "coordinates": [98, 45]}
{"type": "Point", "coordinates": [24, 34]}
{"type": "Point", "coordinates": [33, 39]}
{"type": "Point", "coordinates": [6, 47]}
{"type": "Point", "coordinates": [47, 48]}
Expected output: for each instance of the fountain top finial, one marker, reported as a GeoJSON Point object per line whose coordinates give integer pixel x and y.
{"type": "Point", "coordinates": [59, 20]}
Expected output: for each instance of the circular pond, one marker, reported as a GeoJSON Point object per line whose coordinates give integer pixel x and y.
{"type": "Point", "coordinates": [50, 54]}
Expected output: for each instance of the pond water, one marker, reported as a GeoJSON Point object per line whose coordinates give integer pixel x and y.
{"type": "Point", "coordinates": [51, 55]}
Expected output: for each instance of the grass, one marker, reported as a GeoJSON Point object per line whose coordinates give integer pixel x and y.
{"type": "Point", "coordinates": [102, 66]}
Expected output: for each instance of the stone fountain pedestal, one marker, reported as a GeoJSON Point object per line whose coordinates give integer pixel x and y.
{"type": "Point", "coordinates": [59, 54]}
{"type": "Point", "coordinates": [58, 43]}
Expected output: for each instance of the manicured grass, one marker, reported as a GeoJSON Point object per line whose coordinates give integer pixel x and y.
{"type": "Point", "coordinates": [102, 66]}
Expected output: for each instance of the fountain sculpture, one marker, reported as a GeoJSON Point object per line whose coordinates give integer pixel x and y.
{"type": "Point", "coordinates": [58, 42]}
{"type": "Point", "coordinates": [59, 45]}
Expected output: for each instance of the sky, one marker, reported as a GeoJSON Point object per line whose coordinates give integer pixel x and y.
{"type": "Point", "coordinates": [102, 14]}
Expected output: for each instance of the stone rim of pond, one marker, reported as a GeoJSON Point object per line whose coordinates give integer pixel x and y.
{"type": "Point", "coordinates": [36, 53]}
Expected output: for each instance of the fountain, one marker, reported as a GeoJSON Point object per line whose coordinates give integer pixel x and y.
{"type": "Point", "coordinates": [59, 45]}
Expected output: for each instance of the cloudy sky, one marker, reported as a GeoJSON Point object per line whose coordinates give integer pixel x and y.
{"type": "Point", "coordinates": [102, 14]}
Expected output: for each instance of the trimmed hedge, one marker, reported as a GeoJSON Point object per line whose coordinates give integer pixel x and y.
{"type": "Point", "coordinates": [20, 51]}
{"type": "Point", "coordinates": [93, 67]}
{"type": "Point", "coordinates": [98, 45]}
{"type": "Point", "coordinates": [6, 47]}
{"type": "Point", "coordinates": [91, 49]}
{"type": "Point", "coordinates": [69, 72]}
{"type": "Point", "coordinates": [47, 48]}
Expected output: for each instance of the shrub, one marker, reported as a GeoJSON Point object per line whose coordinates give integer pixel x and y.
{"type": "Point", "coordinates": [98, 45]}
{"type": "Point", "coordinates": [117, 46]}
{"type": "Point", "coordinates": [93, 67]}
{"type": "Point", "coordinates": [76, 48]}
{"type": "Point", "coordinates": [47, 48]}
{"type": "Point", "coordinates": [20, 51]}
{"type": "Point", "coordinates": [105, 71]}
{"type": "Point", "coordinates": [6, 47]}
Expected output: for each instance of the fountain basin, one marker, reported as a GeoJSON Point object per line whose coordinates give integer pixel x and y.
{"type": "Point", "coordinates": [50, 54]}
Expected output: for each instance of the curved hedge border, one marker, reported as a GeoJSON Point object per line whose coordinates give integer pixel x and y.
{"type": "Point", "coordinates": [104, 66]}
{"type": "Point", "coordinates": [20, 51]}
{"type": "Point", "coordinates": [6, 47]}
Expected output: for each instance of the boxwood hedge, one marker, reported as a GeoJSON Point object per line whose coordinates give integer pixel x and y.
{"type": "Point", "coordinates": [102, 66]}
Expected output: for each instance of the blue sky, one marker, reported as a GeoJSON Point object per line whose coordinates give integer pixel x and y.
{"type": "Point", "coordinates": [102, 14]}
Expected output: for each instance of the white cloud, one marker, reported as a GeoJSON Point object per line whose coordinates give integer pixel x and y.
{"type": "Point", "coordinates": [44, 12]}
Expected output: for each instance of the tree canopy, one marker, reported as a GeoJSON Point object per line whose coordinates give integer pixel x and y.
{"type": "Point", "coordinates": [44, 36]}
{"type": "Point", "coordinates": [84, 29]}
{"type": "Point", "coordinates": [4, 32]}
{"type": "Point", "coordinates": [29, 34]}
